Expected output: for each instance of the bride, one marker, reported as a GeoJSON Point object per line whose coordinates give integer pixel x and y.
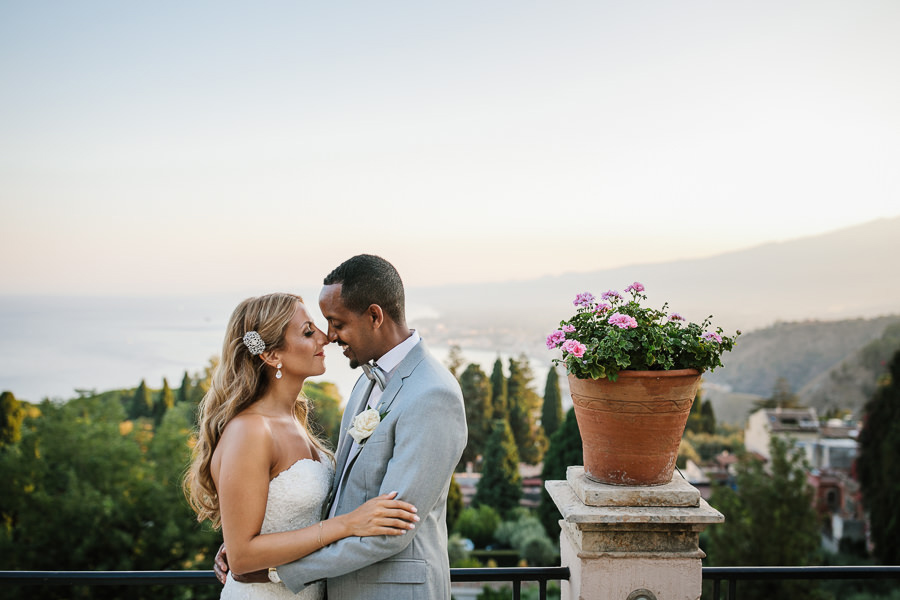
{"type": "Point", "coordinates": [258, 471]}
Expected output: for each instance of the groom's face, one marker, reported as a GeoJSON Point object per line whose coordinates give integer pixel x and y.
{"type": "Point", "coordinates": [353, 332]}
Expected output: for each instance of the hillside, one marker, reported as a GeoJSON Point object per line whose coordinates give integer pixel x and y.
{"type": "Point", "coordinates": [851, 383]}
{"type": "Point", "coordinates": [799, 352]}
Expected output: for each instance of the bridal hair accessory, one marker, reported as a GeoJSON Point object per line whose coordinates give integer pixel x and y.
{"type": "Point", "coordinates": [278, 372]}
{"type": "Point", "coordinates": [254, 343]}
{"type": "Point", "coordinates": [375, 373]}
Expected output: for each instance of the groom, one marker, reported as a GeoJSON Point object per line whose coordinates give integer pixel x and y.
{"type": "Point", "coordinates": [413, 450]}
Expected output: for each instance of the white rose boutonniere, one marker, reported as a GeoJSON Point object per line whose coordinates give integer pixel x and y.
{"type": "Point", "coordinates": [364, 425]}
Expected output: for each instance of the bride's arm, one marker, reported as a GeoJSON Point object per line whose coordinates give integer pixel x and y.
{"type": "Point", "coordinates": [241, 475]}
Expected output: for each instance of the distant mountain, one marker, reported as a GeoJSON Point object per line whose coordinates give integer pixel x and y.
{"type": "Point", "coordinates": [845, 274]}
{"type": "Point", "coordinates": [852, 382]}
{"type": "Point", "coordinates": [800, 352]}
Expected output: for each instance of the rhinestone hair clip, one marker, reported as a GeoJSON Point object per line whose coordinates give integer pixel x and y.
{"type": "Point", "coordinates": [254, 343]}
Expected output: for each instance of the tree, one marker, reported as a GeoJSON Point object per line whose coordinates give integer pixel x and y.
{"type": "Point", "coordinates": [551, 410]}
{"type": "Point", "coordinates": [184, 392]}
{"type": "Point", "coordinates": [499, 391]}
{"type": "Point", "coordinates": [324, 410]}
{"type": "Point", "coordinates": [878, 465]}
{"type": "Point", "coordinates": [695, 419]}
{"type": "Point", "coordinates": [524, 408]}
{"type": "Point", "coordinates": [12, 414]}
{"type": "Point", "coordinates": [165, 402]}
{"type": "Point", "coordinates": [500, 485]}
{"type": "Point", "coordinates": [454, 503]}
{"type": "Point", "coordinates": [476, 390]}
{"type": "Point", "coordinates": [141, 402]}
{"type": "Point", "coordinates": [455, 360]}
{"type": "Point", "coordinates": [770, 520]}
{"type": "Point", "coordinates": [478, 523]}
{"type": "Point", "coordinates": [565, 450]}
{"type": "Point", "coordinates": [707, 418]}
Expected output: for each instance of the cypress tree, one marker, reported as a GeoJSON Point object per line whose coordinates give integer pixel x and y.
{"type": "Point", "coordinates": [476, 390]}
{"type": "Point", "coordinates": [695, 420]}
{"type": "Point", "coordinates": [165, 402]}
{"type": "Point", "coordinates": [184, 392]}
{"type": "Point", "coordinates": [499, 391]}
{"type": "Point", "coordinates": [565, 450]}
{"type": "Point", "coordinates": [551, 411]}
{"type": "Point", "coordinates": [141, 402]}
{"type": "Point", "coordinates": [500, 486]}
{"type": "Point", "coordinates": [524, 406]}
{"type": "Point", "coordinates": [878, 465]}
{"type": "Point", "coordinates": [708, 417]}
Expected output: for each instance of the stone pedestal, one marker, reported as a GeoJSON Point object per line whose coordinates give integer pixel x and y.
{"type": "Point", "coordinates": [631, 543]}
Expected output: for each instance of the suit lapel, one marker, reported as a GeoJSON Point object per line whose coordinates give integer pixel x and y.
{"type": "Point", "coordinates": [357, 403]}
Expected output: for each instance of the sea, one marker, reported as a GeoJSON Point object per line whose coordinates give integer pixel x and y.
{"type": "Point", "coordinates": [56, 347]}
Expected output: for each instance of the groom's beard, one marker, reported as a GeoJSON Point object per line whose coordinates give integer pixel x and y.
{"type": "Point", "coordinates": [354, 363]}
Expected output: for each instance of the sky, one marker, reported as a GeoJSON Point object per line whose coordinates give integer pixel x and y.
{"type": "Point", "coordinates": [192, 147]}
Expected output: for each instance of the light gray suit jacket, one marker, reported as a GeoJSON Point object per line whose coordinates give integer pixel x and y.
{"type": "Point", "coordinates": [413, 451]}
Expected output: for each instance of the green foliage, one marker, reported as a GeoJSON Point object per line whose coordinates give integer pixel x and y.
{"type": "Point", "coordinates": [164, 403]}
{"type": "Point", "coordinates": [702, 418]}
{"type": "Point", "coordinates": [476, 391]}
{"type": "Point", "coordinates": [478, 523]}
{"type": "Point", "coordinates": [565, 450]}
{"type": "Point", "coordinates": [529, 592]}
{"type": "Point", "coordinates": [12, 414]}
{"type": "Point", "coordinates": [499, 391]}
{"type": "Point", "coordinates": [500, 485]}
{"type": "Point", "coordinates": [324, 410]}
{"type": "Point", "coordinates": [878, 465]}
{"type": "Point", "coordinates": [551, 410]}
{"type": "Point", "coordinates": [84, 489]}
{"type": "Point", "coordinates": [710, 445]}
{"type": "Point", "coordinates": [460, 557]}
{"type": "Point", "coordinates": [769, 520]}
{"type": "Point", "coordinates": [525, 533]}
{"type": "Point", "coordinates": [141, 402]}
{"type": "Point", "coordinates": [597, 346]}
{"type": "Point", "coordinates": [524, 408]}
{"type": "Point", "coordinates": [454, 503]}
{"type": "Point", "coordinates": [184, 392]}
{"type": "Point", "coordinates": [455, 360]}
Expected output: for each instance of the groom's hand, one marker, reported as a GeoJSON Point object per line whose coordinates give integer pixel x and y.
{"type": "Point", "coordinates": [220, 566]}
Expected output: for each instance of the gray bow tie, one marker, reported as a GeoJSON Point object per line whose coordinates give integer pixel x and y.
{"type": "Point", "coordinates": [376, 374]}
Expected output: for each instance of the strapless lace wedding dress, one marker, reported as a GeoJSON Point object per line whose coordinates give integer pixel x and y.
{"type": "Point", "coordinates": [296, 496]}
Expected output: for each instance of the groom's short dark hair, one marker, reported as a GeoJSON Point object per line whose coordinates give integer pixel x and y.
{"type": "Point", "coordinates": [367, 279]}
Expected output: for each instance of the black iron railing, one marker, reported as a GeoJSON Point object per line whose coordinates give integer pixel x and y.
{"type": "Point", "coordinates": [514, 575]}
{"type": "Point", "coordinates": [731, 575]}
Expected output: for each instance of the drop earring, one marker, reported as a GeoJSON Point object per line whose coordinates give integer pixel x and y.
{"type": "Point", "coordinates": [278, 372]}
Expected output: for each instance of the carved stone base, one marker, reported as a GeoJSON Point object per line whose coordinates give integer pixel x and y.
{"type": "Point", "coordinates": [617, 540]}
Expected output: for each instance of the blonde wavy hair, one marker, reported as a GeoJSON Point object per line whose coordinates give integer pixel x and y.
{"type": "Point", "coordinates": [238, 381]}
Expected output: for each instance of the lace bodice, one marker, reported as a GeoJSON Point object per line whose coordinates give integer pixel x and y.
{"type": "Point", "coordinates": [296, 498]}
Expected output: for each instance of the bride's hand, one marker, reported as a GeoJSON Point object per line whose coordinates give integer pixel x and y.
{"type": "Point", "coordinates": [382, 516]}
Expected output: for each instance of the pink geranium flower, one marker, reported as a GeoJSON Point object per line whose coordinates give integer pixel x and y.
{"type": "Point", "coordinates": [610, 294]}
{"type": "Point", "coordinates": [568, 328]}
{"type": "Point", "coordinates": [555, 339]}
{"type": "Point", "coordinates": [637, 286]}
{"type": "Point", "coordinates": [713, 337]}
{"type": "Point", "coordinates": [583, 299]}
{"type": "Point", "coordinates": [622, 321]}
{"type": "Point", "coordinates": [574, 347]}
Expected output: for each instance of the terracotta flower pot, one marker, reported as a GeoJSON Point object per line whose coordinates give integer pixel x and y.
{"type": "Point", "coordinates": [631, 428]}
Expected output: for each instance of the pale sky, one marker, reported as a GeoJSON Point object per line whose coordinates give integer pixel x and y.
{"type": "Point", "coordinates": [208, 146]}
